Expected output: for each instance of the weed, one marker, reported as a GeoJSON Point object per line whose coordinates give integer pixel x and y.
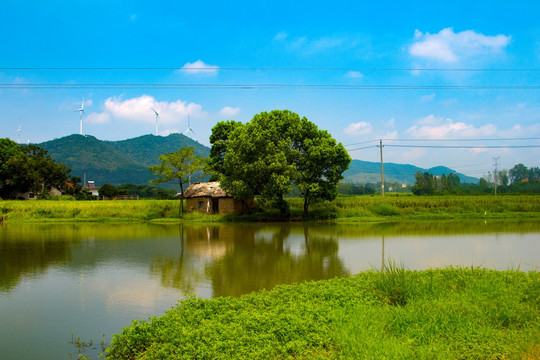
{"type": "Point", "coordinates": [392, 284]}
{"type": "Point", "coordinates": [454, 313]}
{"type": "Point", "coordinates": [385, 210]}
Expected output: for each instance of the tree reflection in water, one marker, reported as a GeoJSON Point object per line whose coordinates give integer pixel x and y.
{"type": "Point", "coordinates": [261, 259]}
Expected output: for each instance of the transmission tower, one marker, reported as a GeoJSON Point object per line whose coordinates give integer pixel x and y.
{"type": "Point", "coordinates": [496, 172]}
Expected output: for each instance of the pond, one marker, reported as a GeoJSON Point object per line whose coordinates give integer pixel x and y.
{"type": "Point", "coordinates": [90, 280]}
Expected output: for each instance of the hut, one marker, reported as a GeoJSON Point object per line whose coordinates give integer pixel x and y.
{"type": "Point", "coordinates": [209, 198]}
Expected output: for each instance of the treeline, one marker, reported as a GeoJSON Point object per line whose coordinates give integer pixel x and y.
{"type": "Point", "coordinates": [26, 169]}
{"type": "Point", "coordinates": [345, 188]}
{"type": "Point", "coordinates": [518, 180]}
{"type": "Point", "coordinates": [142, 191]}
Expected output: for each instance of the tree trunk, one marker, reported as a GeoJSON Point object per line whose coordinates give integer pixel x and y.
{"type": "Point", "coordinates": [181, 210]}
{"type": "Point", "coordinates": [306, 204]}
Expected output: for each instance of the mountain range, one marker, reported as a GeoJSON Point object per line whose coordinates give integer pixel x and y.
{"type": "Point", "coordinates": [127, 161]}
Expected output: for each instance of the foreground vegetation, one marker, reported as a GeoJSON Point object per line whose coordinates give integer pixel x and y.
{"type": "Point", "coordinates": [344, 209]}
{"type": "Point", "coordinates": [451, 313]}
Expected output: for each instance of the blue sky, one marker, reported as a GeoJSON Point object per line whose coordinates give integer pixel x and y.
{"type": "Point", "coordinates": [329, 61]}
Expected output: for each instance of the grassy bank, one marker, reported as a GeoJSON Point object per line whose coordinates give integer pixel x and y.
{"type": "Point", "coordinates": [343, 209]}
{"type": "Point", "coordinates": [435, 314]}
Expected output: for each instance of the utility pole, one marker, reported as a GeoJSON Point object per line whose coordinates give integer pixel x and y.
{"type": "Point", "coordinates": [495, 172]}
{"type": "Point", "coordinates": [382, 170]}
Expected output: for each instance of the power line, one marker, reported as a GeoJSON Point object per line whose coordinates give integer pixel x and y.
{"type": "Point", "coordinates": [465, 166]}
{"type": "Point", "coordinates": [362, 148]}
{"type": "Point", "coordinates": [483, 139]}
{"type": "Point", "coordinates": [363, 142]}
{"type": "Point", "coordinates": [450, 140]}
{"type": "Point", "coordinates": [264, 86]}
{"type": "Point", "coordinates": [216, 68]}
{"type": "Point", "coordinates": [467, 147]}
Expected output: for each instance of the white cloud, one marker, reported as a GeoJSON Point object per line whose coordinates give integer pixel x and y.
{"type": "Point", "coordinates": [410, 155]}
{"type": "Point", "coordinates": [354, 75]}
{"type": "Point", "coordinates": [98, 118]}
{"type": "Point", "coordinates": [431, 127]}
{"type": "Point", "coordinates": [519, 130]}
{"type": "Point", "coordinates": [169, 132]}
{"type": "Point", "coordinates": [282, 35]}
{"type": "Point", "coordinates": [308, 46]}
{"type": "Point", "coordinates": [427, 98]}
{"type": "Point", "coordinates": [448, 46]}
{"type": "Point", "coordinates": [359, 128]}
{"type": "Point", "coordinates": [228, 111]}
{"type": "Point", "coordinates": [200, 68]}
{"type": "Point", "coordinates": [390, 135]}
{"type": "Point", "coordinates": [139, 109]}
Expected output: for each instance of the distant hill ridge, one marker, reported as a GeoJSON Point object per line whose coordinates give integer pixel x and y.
{"type": "Point", "coordinates": [117, 162]}
{"type": "Point", "coordinates": [370, 172]}
{"type": "Point", "coordinates": [127, 161]}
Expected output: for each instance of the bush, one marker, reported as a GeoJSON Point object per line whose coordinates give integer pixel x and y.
{"type": "Point", "coordinates": [385, 210]}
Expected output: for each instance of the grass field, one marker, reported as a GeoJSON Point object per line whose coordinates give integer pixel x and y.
{"type": "Point", "coordinates": [465, 313]}
{"type": "Point", "coordinates": [343, 209]}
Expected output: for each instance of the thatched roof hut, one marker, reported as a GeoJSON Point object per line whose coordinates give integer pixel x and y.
{"type": "Point", "coordinates": [210, 198]}
{"type": "Point", "coordinates": [206, 189]}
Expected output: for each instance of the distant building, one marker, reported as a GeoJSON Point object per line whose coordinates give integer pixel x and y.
{"type": "Point", "coordinates": [91, 188]}
{"type": "Point", "coordinates": [210, 198]}
{"type": "Point", "coordinates": [31, 196]}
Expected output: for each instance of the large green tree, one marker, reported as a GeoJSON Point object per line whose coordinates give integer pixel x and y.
{"type": "Point", "coordinates": [45, 173]}
{"type": "Point", "coordinates": [518, 173]}
{"type": "Point", "coordinates": [275, 150]}
{"type": "Point", "coordinates": [181, 167]}
{"type": "Point", "coordinates": [8, 150]}
{"type": "Point", "coordinates": [30, 169]}
{"type": "Point", "coordinates": [260, 157]}
{"type": "Point", "coordinates": [425, 184]}
{"type": "Point", "coordinates": [219, 140]}
{"type": "Point", "coordinates": [320, 166]}
{"type": "Point", "coordinates": [534, 174]}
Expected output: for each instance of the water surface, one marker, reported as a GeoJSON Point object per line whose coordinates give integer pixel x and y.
{"type": "Point", "coordinates": [93, 279]}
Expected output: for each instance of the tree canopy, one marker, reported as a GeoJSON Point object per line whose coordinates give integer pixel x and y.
{"type": "Point", "coordinates": [518, 173]}
{"type": "Point", "coordinates": [273, 151]}
{"type": "Point", "coordinates": [181, 166]}
{"type": "Point", "coordinates": [29, 168]}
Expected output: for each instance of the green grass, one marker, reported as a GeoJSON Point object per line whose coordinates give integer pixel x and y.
{"type": "Point", "coordinates": [343, 209]}
{"type": "Point", "coordinates": [465, 313]}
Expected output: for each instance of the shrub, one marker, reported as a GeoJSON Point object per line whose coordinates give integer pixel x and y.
{"type": "Point", "coordinates": [385, 210]}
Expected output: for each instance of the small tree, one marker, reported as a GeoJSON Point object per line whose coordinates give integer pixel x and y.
{"type": "Point", "coordinates": [108, 191]}
{"type": "Point", "coordinates": [425, 184]}
{"type": "Point", "coordinates": [180, 167]}
{"type": "Point", "coordinates": [518, 173]}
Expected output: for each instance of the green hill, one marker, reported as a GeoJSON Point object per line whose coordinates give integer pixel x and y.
{"type": "Point", "coordinates": [116, 162]}
{"type": "Point", "coordinates": [370, 172]}
{"type": "Point", "coordinates": [127, 161]}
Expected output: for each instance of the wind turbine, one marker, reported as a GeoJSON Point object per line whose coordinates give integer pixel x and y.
{"type": "Point", "coordinates": [189, 129]}
{"type": "Point", "coordinates": [19, 131]}
{"type": "Point", "coordinates": [157, 118]}
{"type": "Point", "coordinates": [81, 113]}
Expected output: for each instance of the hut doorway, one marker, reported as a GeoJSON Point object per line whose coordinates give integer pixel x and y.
{"type": "Point", "coordinates": [215, 206]}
